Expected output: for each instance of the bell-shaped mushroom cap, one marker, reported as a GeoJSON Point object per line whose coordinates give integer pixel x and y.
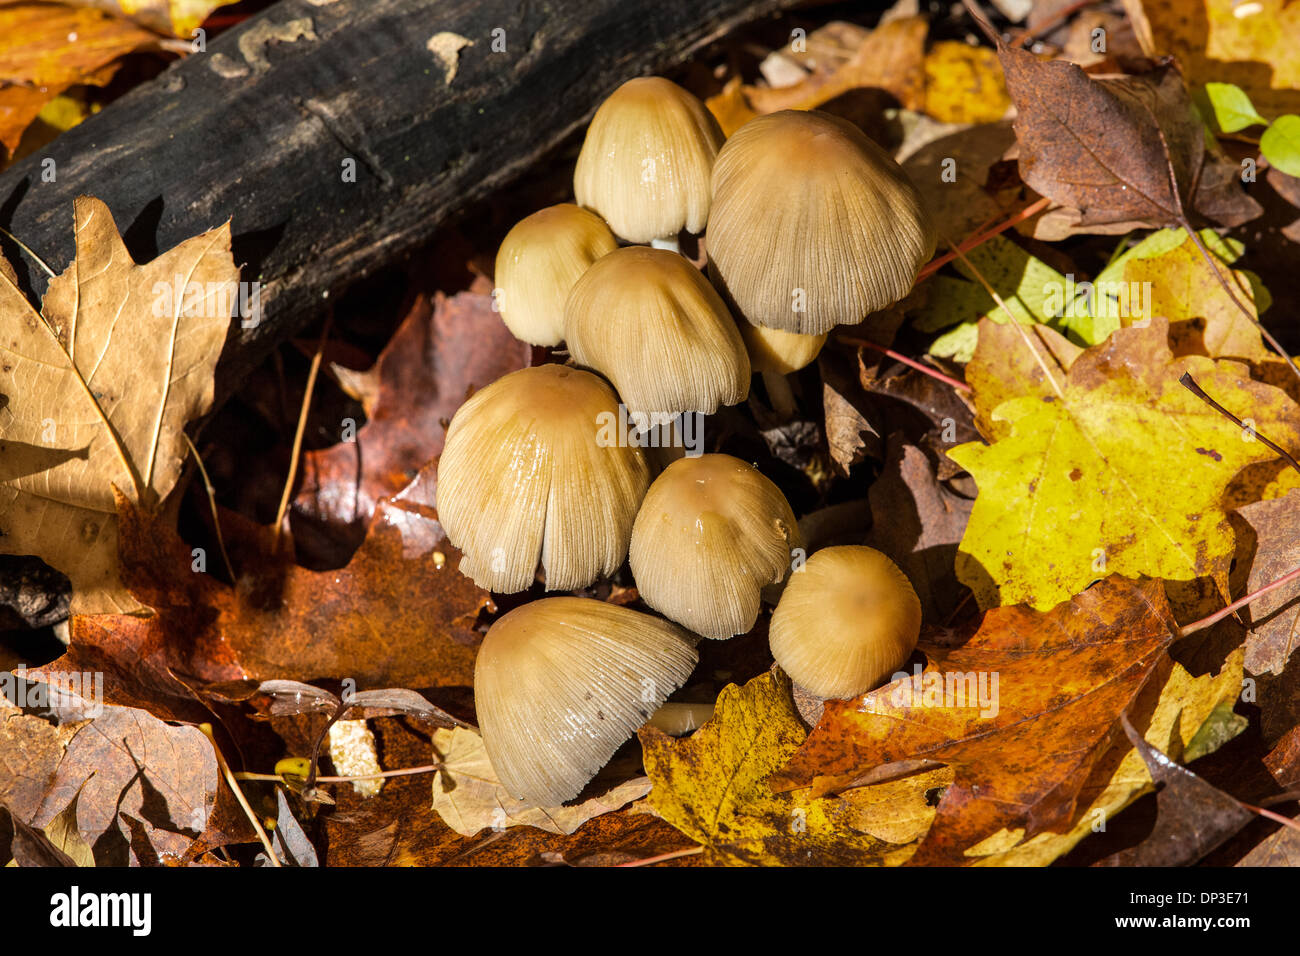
{"type": "Point", "coordinates": [646, 161]}
{"type": "Point", "coordinates": [523, 477]}
{"type": "Point", "coordinates": [779, 353]}
{"type": "Point", "coordinates": [539, 261]}
{"type": "Point", "coordinates": [813, 225]}
{"type": "Point", "coordinates": [650, 322]}
{"type": "Point", "coordinates": [710, 535]}
{"type": "Point", "coordinates": [561, 683]}
{"type": "Point", "coordinates": [847, 621]}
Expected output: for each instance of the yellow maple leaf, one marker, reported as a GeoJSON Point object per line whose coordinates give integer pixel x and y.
{"type": "Point", "coordinates": [1111, 467]}
{"type": "Point", "coordinates": [712, 787]}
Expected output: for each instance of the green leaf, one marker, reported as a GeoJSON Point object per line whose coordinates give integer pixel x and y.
{"type": "Point", "coordinates": [1280, 144]}
{"type": "Point", "coordinates": [1233, 110]}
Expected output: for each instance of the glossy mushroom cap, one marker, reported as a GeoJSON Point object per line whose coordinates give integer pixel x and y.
{"type": "Point", "coordinates": [561, 683]}
{"type": "Point", "coordinates": [650, 322]}
{"type": "Point", "coordinates": [539, 261]}
{"type": "Point", "coordinates": [523, 479]}
{"type": "Point", "coordinates": [710, 535]}
{"type": "Point", "coordinates": [846, 622]}
{"type": "Point", "coordinates": [813, 225]}
{"type": "Point", "coordinates": [646, 161]}
{"type": "Point", "coordinates": [779, 353]}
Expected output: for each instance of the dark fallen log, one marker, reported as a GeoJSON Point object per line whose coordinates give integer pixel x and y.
{"type": "Point", "coordinates": [263, 126]}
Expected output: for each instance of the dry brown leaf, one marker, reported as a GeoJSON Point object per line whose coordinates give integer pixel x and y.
{"type": "Point", "coordinates": [1274, 617]}
{"type": "Point", "coordinates": [99, 390]}
{"type": "Point", "coordinates": [469, 797]}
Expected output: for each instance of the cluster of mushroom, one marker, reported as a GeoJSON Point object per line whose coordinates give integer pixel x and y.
{"type": "Point", "coordinates": [809, 225]}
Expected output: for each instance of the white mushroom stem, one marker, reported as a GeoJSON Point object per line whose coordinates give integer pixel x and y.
{"type": "Point", "coordinates": [779, 394]}
{"type": "Point", "coordinates": [671, 244]}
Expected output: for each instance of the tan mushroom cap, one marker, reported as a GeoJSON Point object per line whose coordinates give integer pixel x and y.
{"type": "Point", "coordinates": [523, 479]}
{"type": "Point", "coordinates": [539, 261]}
{"type": "Point", "coordinates": [561, 683]}
{"type": "Point", "coordinates": [710, 535]}
{"type": "Point", "coordinates": [779, 353]}
{"type": "Point", "coordinates": [646, 160]}
{"type": "Point", "coordinates": [809, 214]}
{"type": "Point", "coordinates": [650, 322]}
{"type": "Point", "coordinates": [846, 622]}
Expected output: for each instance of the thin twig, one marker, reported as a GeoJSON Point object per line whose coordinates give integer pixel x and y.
{"type": "Point", "coordinates": [1010, 316]}
{"type": "Point", "coordinates": [1218, 616]}
{"type": "Point", "coordinates": [239, 795]}
{"type": "Point", "coordinates": [1254, 319]}
{"type": "Point", "coordinates": [297, 437]}
{"type": "Point", "coordinates": [912, 363]}
{"type": "Point", "coordinates": [1274, 800]}
{"type": "Point", "coordinates": [212, 504]}
{"type": "Point", "coordinates": [1279, 818]}
{"type": "Point", "coordinates": [1190, 384]}
{"type": "Point", "coordinates": [665, 856]}
{"type": "Point", "coordinates": [404, 772]}
{"type": "Point", "coordinates": [978, 238]}
{"type": "Point", "coordinates": [1050, 23]}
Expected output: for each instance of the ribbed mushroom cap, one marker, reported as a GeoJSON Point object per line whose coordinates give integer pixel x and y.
{"type": "Point", "coordinates": [846, 622]}
{"type": "Point", "coordinates": [808, 213]}
{"type": "Point", "coordinates": [645, 163]}
{"type": "Point", "coordinates": [777, 352]}
{"type": "Point", "coordinates": [710, 535]}
{"type": "Point", "coordinates": [650, 322]}
{"type": "Point", "coordinates": [523, 479]}
{"type": "Point", "coordinates": [561, 683]}
{"type": "Point", "coordinates": [539, 261]}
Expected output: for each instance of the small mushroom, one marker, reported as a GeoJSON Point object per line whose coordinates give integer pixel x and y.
{"type": "Point", "coordinates": [561, 683]}
{"type": "Point", "coordinates": [847, 621]}
{"type": "Point", "coordinates": [523, 478]}
{"type": "Point", "coordinates": [812, 225]}
{"type": "Point", "coordinates": [710, 535]}
{"type": "Point", "coordinates": [646, 160]}
{"type": "Point", "coordinates": [650, 322]}
{"type": "Point", "coordinates": [539, 261]}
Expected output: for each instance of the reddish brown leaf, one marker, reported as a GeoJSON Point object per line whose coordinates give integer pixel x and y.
{"type": "Point", "coordinates": [398, 615]}
{"type": "Point", "coordinates": [1274, 617]}
{"type": "Point", "coordinates": [1064, 678]}
{"type": "Point", "coordinates": [441, 353]}
{"type": "Point", "coordinates": [26, 845]}
{"type": "Point", "coordinates": [1105, 146]}
{"type": "Point", "coordinates": [1283, 761]}
{"type": "Point", "coordinates": [918, 522]}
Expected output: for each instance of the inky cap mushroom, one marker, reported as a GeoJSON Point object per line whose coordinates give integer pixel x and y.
{"type": "Point", "coordinates": [847, 621]}
{"type": "Point", "coordinates": [650, 322]}
{"type": "Point", "coordinates": [645, 163]}
{"type": "Point", "coordinates": [523, 479]}
{"type": "Point", "coordinates": [710, 535]}
{"type": "Point", "coordinates": [812, 225]}
{"type": "Point", "coordinates": [561, 683]}
{"type": "Point", "coordinates": [539, 261]}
